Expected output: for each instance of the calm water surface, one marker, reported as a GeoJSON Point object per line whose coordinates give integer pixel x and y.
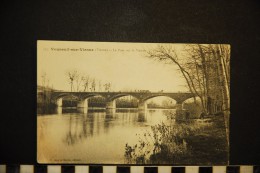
{"type": "Point", "coordinates": [71, 136]}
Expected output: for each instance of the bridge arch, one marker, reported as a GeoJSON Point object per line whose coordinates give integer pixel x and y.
{"type": "Point", "coordinates": [59, 98]}
{"type": "Point", "coordinates": [83, 103]}
{"type": "Point", "coordinates": [143, 102]}
{"type": "Point", "coordinates": [111, 101]}
{"type": "Point", "coordinates": [82, 99]}
{"type": "Point", "coordinates": [154, 96]}
{"type": "Point", "coordinates": [179, 98]}
{"type": "Point", "coordinates": [64, 95]}
{"type": "Point", "coordinates": [87, 96]}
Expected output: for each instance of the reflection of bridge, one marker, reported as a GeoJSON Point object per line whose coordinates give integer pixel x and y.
{"type": "Point", "coordinates": [110, 97]}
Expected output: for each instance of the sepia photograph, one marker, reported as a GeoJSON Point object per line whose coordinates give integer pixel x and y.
{"type": "Point", "coordinates": [133, 103]}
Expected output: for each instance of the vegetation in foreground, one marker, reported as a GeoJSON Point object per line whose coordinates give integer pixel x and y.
{"type": "Point", "coordinates": [199, 141]}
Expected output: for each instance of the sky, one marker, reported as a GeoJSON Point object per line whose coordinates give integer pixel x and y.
{"type": "Point", "coordinates": [125, 65]}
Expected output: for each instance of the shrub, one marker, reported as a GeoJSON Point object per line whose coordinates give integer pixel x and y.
{"type": "Point", "coordinates": [195, 109]}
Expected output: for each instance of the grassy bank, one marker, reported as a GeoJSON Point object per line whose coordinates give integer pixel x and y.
{"type": "Point", "coordinates": [194, 142]}
{"type": "Point", "coordinates": [208, 144]}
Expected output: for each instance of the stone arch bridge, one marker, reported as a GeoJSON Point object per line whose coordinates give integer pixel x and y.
{"type": "Point", "coordinates": [110, 97]}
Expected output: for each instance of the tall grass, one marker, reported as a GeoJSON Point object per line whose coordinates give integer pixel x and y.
{"type": "Point", "coordinates": [162, 144]}
{"type": "Point", "coordinates": [197, 141]}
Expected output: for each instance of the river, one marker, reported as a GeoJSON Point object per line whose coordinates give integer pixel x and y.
{"type": "Point", "coordinates": [92, 136]}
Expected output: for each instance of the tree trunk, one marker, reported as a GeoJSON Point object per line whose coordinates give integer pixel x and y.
{"type": "Point", "coordinates": [206, 77]}
{"type": "Point", "coordinates": [226, 98]}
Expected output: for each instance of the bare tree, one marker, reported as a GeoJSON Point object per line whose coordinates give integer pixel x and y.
{"type": "Point", "coordinates": [78, 81]}
{"type": "Point", "coordinates": [107, 86]}
{"type": "Point", "coordinates": [43, 76]}
{"type": "Point", "coordinates": [99, 86]}
{"type": "Point", "coordinates": [93, 85]}
{"type": "Point", "coordinates": [85, 80]}
{"type": "Point", "coordinates": [72, 75]}
{"type": "Point", "coordinates": [167, 54]}
{"type": "Point", "coordinates": [111, 86]}
{"type": "Point", "coordinates": [221, 54]}
{"type": "Point", "coordinates": [46, 90]}
{"type": "Point", "coordinates": [43, 81]}
{"type": "Point", "coordinates": [205, 69]}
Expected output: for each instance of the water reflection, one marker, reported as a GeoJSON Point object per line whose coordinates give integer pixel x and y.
{"type": "Point", "coordinates": [71, 136]}
{"type": "Point", "coordinates": [110, 113]}
{"type": "Point", "coordinates": [90, 135]}
{"type": "Point", "coordinates": [141, 116]}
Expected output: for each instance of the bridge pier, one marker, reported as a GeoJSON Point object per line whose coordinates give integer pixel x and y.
{"type": "Point", "coordinates": [83, 103]}
{"type": "Point", "coordinates": [82, 110]}
{"type": "Point", "coordinates": [59, 102]}
{"type": "Point", "coordinates": [59, 110]}
{"type": "Point", "coordinates": [179, 111]}
{"type": "Point", "coordinates": [111, 104]}
{"type": "Point", "coordinates": [142, 105]}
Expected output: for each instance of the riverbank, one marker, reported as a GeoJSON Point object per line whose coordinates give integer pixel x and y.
{"type": "Point", "coordinates": [192, 142]}
{"type": "Point", "coordinates": [208, 145]}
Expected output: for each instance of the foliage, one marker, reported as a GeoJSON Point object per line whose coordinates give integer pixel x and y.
{"type": "Point", "coordinates": [45, 108]}
{"type": "Point", "coordinates": [193, 108]}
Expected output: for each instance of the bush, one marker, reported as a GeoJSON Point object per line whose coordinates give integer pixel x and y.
{"type": "Point", "coordinates": [195, 109]}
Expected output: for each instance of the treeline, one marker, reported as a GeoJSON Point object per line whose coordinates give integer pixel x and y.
{"type": "Point", "coordinates": [120, 103]}
{"type": "Point", "coordinates": [44, 93]}
{"type": "Point", "coordinates": [124, 103]}
{"type": "Point", "coordinates": [101, 102]}
{"type": "Point", "coordinates": [158, 106]}
{"type": "Point", "coordinates": [44, 103]}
